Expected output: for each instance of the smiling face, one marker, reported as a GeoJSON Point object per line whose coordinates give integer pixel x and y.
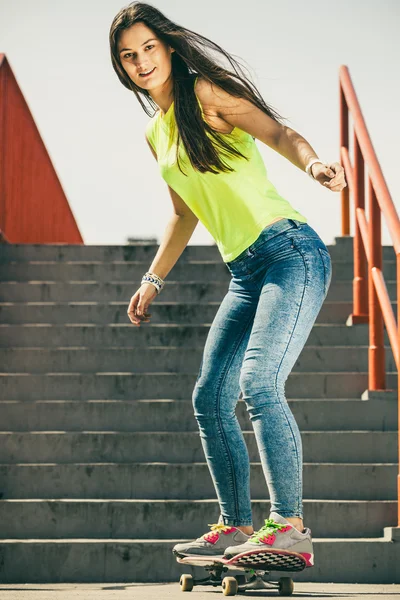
{"type": "Point", "coordinates": [142, 51]}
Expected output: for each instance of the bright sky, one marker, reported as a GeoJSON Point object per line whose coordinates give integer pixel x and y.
{"type": "Point", "coordinates": [93, 127]}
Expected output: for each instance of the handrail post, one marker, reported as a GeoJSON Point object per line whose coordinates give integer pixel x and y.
{"type": "Point", "coordinates": [344, 141]}
{"type": "Point", "coordinates": [376, 350]}
{"type": "Point", "coordinates": [360, 281]}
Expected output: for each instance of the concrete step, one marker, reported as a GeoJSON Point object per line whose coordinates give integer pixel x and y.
{"type": "Point", "coordinates": [166, 519]}
{"type": "Point", "coordinates": [177, 415]}
{"type": "Point", "coordinates": [127, 271]}
{"type": "Point", "coordinates": [183, 447]}
{"type": "Point", "coordinates": [138, 386]}
{"type": "Point", "coordinates": [120, 560]}
{"type": "Point", "coordinates": [165, 313]}
{"type": "Point", "coordinates": [169, 359]}
{"type": "Point", "coordinates": [163, 480]}
{"type": "Point", "coordinates": [342, 249]}
{"type": "Point", "coordinates": [185, 335]}
{"type": "Point", "coordinates": [120, 291]}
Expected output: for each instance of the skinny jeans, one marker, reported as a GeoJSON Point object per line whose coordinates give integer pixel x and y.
{"type": "Point", "coordinates": [276, 291]}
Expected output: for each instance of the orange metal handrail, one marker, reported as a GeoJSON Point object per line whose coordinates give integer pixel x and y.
{"type": "Point", "coordinates": [371, 301]}
{"type": "Point", "coordinates": [33, 206]}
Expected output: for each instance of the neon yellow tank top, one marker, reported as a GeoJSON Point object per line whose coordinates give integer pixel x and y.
{"type": "Point", "coordinates": [235, 206]}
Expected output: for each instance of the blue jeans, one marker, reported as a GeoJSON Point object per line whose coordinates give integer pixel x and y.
{"type": "Point", "coordinates": [278, 286]}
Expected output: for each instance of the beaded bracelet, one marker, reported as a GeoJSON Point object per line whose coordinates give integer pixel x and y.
{"type": "Point", "coordinates": [154, 279]}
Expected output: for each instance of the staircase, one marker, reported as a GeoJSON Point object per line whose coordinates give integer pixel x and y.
{"type": "Point", "coordinates": [102, 469]}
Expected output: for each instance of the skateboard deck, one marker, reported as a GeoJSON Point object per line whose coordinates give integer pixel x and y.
{"type": "Point", "coordinates": [255, 565]}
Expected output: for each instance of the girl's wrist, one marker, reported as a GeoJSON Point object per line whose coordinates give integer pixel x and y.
{"type": "Point", "coordinates": [154, 279]}
{"type": "Point", "coordinates": [310, 164]}
{"type": "Point", "coordinates": [311, 170]}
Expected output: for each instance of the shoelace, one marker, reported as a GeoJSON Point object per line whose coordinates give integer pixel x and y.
{"type": "Point", "coordinates": [219, 527]}
{"type": "Point", "coordinates": [270, 527]}
{"type": "Point", "coordinates": [216, 528]}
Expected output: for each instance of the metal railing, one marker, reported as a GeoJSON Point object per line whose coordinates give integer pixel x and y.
{"type": "Point", "coordinates": [371, 301]}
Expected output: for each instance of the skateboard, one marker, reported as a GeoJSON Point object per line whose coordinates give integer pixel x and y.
{"type": "Point", "coordinates": [256, 566]}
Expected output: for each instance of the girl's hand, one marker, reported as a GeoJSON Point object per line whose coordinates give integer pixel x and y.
{"type": "Point", "coordinates": [331, 177]}
{"type": "Point", "coordinates": [137, 310]}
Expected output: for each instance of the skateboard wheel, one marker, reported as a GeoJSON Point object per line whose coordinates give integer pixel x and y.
{"type": "Point", "coordinates": [186, 582]}
{"type": "Point", "coordinates": [286, 586]}
{"type": "Point", "coordinates": [229, 586]}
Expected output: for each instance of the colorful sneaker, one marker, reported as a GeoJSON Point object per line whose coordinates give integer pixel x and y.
{"type": "Point", "coordinates": [212, 543]}
{"type": "Point", "coordinates": [278, 545]}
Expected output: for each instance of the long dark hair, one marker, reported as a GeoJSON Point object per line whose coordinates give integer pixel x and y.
{"type": "Point", "coordinates": [189, 60]}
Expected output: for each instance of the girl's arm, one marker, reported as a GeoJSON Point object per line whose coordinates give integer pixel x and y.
{"type": "Point", "coordinates": [241, 113]}
{"type": "Point", "coordinates": [177, 234]}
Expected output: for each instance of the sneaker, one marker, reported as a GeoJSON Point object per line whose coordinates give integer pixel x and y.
{"type": "Point", "coordinates": [275, 536]}
{"type": "Point", "coordinates": [212, 543]}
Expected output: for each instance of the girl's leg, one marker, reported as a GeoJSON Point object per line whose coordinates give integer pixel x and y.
{"type": "Point", "coordinates": [294, 276]}
{"type": "Point", "coordinates": [214, 400]}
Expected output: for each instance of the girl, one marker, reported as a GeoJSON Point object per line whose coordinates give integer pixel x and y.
{"type": "Point", "coordinates": [203, 138]}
